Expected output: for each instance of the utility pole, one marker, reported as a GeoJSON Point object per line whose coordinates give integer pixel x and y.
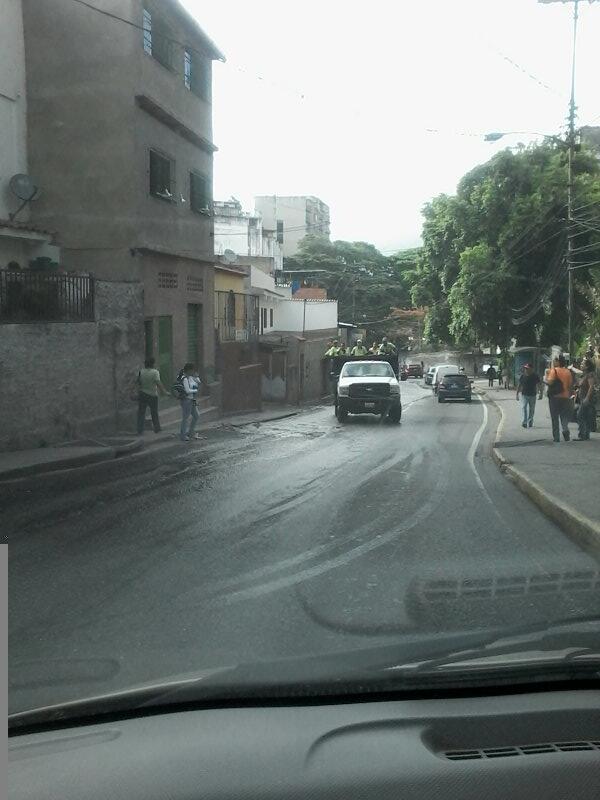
{"type": "Point", "coordinates": [571, 152]}
{"type": "Point", "coordinates": [570, 224]}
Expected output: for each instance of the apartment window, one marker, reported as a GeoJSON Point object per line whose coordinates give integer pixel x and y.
{"type": "Point", "coordinates": [196, 74]}
{"type": "Point", "coordinates": [280, 231]}
{"type": "Point", "coordinates": [162, 176]}
{"type": "Point", "coordinates": [147, 28]}
{"type": "Point", "coordinates": [167, 280]}
{"type": "Point", "coordinates": [200, 193]}
{"type": "Point", "coordinates": [270, 318]}
{"type": "Point", "coordinates": [157, 39]}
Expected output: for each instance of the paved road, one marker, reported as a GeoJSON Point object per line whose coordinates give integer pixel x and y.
{"type": "Point", "coordinates": [297, 537]}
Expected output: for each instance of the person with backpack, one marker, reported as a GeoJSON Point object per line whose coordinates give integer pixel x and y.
{"type": "Point", "coordinates": [587, 408]}
{"type": "Point", "coordinates": [149, 384]}
{"type": "Point", "coordinates": [188, 386]}
{"type": "Point", "coordinates": [560, 381]}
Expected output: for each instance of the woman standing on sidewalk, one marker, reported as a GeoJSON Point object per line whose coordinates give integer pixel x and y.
{"type": "Point", "coordinates": [560, 382]}
{"type": "Point", "coordinates": [587, 409]}
{"type": "Point", "coordinates": [191, 386]}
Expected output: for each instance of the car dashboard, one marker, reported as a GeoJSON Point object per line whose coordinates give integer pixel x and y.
{"type": "Point", "coordinates": [539, 744]}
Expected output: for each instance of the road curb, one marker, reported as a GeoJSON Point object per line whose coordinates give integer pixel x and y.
{"type": "Point", "coordinates": [582, 530]}
{"type": "Point", "coordinates": [31, 470]}
{"type": "Point", "coordinates": [259, 421]}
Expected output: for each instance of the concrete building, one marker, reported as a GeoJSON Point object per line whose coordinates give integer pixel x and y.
{"type": "Point", "coordinates": [246, 236]}
{"type": "Point", "coordinates": [20, 240]}
{"type": "Point", "coordinates": [120, 142]}
{"type": "Point", "coordinates": [293, 218]}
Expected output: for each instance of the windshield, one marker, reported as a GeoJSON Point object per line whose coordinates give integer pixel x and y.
{"type": "Point", "coordinates": [382, 370]}
{"type": "Point", "coordinates": [246, 250]}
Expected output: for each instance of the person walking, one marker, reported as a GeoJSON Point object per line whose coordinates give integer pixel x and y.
{"type": "Point", "coordinates": [475, 370]}
{"type": "Point", "coordinates": [587, 409]}
{"type": "Point", "coordinates": [560, 382]}
{"type": "Point", "coordinates": [506, 376]}
{"type": "Point", "coordinates": [528, 389]}
{"type": "Point", "coordinates": [491, 374]}
{"type": "Point", "coordinates": [149, 384]}
{"type": "Point", "coordinates": [191, 385]}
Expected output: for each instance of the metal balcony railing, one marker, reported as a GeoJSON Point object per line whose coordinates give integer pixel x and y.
{"type": "Point", "coordinates": [30, 296]}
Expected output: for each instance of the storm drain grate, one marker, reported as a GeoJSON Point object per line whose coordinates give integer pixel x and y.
{"type": "Point", "coordinates": [520, 750]}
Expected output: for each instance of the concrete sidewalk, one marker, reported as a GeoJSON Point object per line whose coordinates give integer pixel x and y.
{"type": "Point", "coordinates": [561, 478]}
{"type": "Point", "coordinates": [25, 463]}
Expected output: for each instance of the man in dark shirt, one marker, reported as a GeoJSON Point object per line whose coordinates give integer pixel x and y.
{"type": "Point", "coordinates": [529, 387]}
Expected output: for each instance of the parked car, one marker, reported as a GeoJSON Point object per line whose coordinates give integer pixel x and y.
{"type": "Point", "coordinates": [440, 371]}
{"type": "Point", "coordinates": [368, 387]}
{"type": "Point", "coordinates": [454, 387]}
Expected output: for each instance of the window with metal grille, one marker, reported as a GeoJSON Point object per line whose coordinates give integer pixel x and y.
{"type": "Point", "coordinates": [194, 284]}
{"type": "Point", "coordinates": [162, 176]}
{"type": "Point", "coordinates": [147, 30]}
{"type": "Point", "coordinates": [167, 280]}
{"type": "Point", "coordinates": [280, 231]}
{"type": "Point", "coordinates": [200, 193]}
{"type": "Point", "coordinates": [157, 38]}
{"type": "Point", "coordinates": [196, 74]}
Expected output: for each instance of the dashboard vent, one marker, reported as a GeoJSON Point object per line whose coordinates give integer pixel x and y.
{"type": "Point", "coordinates": [520, 750]}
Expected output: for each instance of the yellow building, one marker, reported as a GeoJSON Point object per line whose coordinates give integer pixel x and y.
{"type": "Point", "coordinates": [231, 303]}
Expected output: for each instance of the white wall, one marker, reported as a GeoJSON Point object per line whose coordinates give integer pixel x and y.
{"type": "Point", "coordinates": [231, 233]}
{"type": "Point", "coordinates": [13, 110]}
{"type": "Point", "coordinates": [312, 315]}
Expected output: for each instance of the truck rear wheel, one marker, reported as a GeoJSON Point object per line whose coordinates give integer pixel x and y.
{"type": "Point", "coordinates": [395, 414]}
{"type": "Point", "coordinates": [341, 414]}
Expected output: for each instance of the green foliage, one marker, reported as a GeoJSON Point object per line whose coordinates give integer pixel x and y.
{"type": "Point", "coordinates": [497, 244]}
{"type": "Point", "coordinates": [366, 284]}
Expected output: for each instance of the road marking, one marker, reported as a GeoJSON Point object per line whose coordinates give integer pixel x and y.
{"type": "Point", "coordinates": [471, 458]}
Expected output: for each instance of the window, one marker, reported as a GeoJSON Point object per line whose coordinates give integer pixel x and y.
{"type": "Point", "coordinates": [195, 284]}
{"type": "Point", "coordinates": [157, 39]}
{"type": "Point", "coordinates": [147, 28]}
{"type": "Point", "coordinates": [270, 318]}
{"type": "Point", "coordinates": [200, 193]}
{"type": "Point", "coordinates": [167, 280]}
{"type": "Point", "coordinates": [280, 231]}
{"type": "Point", "coordinates": [382, 370]}
{"type": "Point", "coordinates": [196, 74]}
{"type": "Point", "coordinates": [162, 176]}
{"type": "Point", "coordinates": [263, 319]}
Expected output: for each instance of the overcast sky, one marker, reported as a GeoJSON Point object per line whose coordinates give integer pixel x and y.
{"type": "Point", "coordinates": [334, 98]}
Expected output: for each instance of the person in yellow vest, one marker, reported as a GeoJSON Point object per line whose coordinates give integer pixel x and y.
{"type": "Point", "coordinates": [334, 350]}
{"type": "Point", "coordinates": [359, 349]}
{"type": "Point", "coordinates": [386, 348]}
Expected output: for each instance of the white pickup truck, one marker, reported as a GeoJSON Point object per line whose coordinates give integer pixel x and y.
{"type": "Point", "coordinates": [368, 387]}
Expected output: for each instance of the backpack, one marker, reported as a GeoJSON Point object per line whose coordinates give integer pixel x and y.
{"type": "Point", "coordinates": [177, 389]}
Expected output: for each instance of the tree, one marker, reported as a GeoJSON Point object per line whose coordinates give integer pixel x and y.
{"type": "Point", "coordinates": [366, 284]}
{"type": "Point", "coordinates": [492, 263]}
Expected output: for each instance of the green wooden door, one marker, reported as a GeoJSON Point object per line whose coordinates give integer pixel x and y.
{"type": "Point", "coordinates": [165, 350]}
{"type": "Point", "coordinates": [194, 329]}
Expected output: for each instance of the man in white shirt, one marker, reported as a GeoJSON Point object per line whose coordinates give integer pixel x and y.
{"type": "Point", "coordinates": [191, 387]}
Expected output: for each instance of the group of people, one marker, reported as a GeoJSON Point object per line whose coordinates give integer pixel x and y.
{"type": "Point", "coordinates": [501, 373]}
{"type": "Point", "coordinates": [572, 395]}
{"type": "Point", "coordinates": [149, 385]}
{"type": "Point", "coordinates": [386, 348]}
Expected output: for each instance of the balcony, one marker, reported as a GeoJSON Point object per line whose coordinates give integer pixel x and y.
{"type": "Point", "coordinates": [32, 296]}
{"type": "Point", "coordinates": [236, 317]}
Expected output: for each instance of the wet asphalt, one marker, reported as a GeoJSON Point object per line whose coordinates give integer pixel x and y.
{"type": "Point", "coordinates": [297, 537]}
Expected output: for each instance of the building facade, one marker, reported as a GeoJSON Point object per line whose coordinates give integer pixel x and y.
{"type": "Point", "coordinates": [293, 218]}
{"type": "Point", "coordinates": [21, 242]}
{"type": "Point", "coordinates": [120, 142]}
{"type": "Point", "coordinates": [246, 236]}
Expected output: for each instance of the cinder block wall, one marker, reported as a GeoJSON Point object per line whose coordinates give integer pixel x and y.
{"type": "Point", "coordinates": [61, 381]}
